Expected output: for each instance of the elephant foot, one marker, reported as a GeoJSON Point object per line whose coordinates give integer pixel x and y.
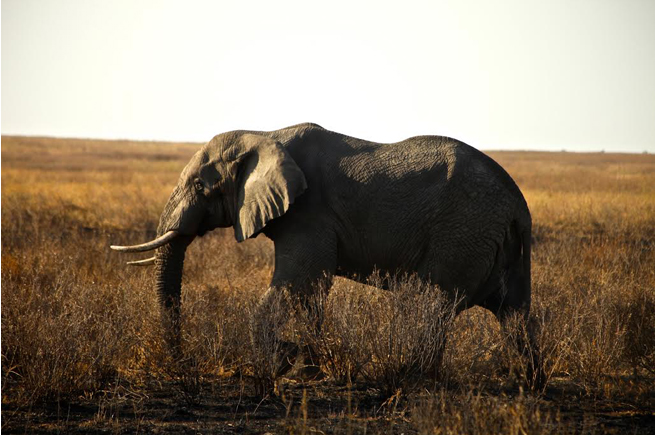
{"type": "Point", "coordinates": [307, 367]}
{"type": "Point", "coordinates": [295, 363]}
{"type": "Point", "coordinates": [287, 358]}
{"type": "Point", "coordinates": [274, 367]}
{"type": "Point", "coordinates": [308, 374]}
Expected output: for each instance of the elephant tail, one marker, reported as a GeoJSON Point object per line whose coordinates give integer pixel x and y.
{"type": "Point", "coordinates": [526, 247]}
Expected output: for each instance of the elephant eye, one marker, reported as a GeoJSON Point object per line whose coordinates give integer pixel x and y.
{"type": "Point", "coordinates": [199, 186]}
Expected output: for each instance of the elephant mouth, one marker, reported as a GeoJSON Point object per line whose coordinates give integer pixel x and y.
{"type": "Point", "coordinates": [205, 227]}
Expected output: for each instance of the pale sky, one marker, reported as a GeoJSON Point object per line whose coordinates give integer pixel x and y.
{"type": "Point", "coordinates": [558, 74]}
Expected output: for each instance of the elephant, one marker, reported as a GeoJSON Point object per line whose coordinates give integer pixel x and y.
{"type": "Point", "coordinates": [335, 205]}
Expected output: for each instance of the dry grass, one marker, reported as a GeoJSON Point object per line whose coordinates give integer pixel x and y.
{"type": "Point", "coordinates": [77, 325]}
{"type": "Point", "coordinates": [369, 332]}
{"type": "Point", "coordinates": [474, 414]}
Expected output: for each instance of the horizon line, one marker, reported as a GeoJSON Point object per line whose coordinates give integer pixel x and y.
{"type": "Point", "coordinates": [492, 148]}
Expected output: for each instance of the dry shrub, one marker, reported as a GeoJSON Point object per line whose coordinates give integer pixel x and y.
{"type": "Point", "coordinates": [482, 351]}
{"type": "Point", "coordinates": [638, 314]}
{"type": "Point", "coordinates": [74, 318]}
{"type": "Point", "coordinates": [598, 348]}
{"type": "Point", "coordinates": [393, 338]}
{"type": "Point", "coordinates": [476, 414]}
{"type": "Point", "coordinates": [558, 318]}
{"type": "Point", "coordinates": [214, 327]}
{"type": "Point", "coordinates": [591, 302]}
{"type": "Point", "coordinates": [214, 339]}
{"type": "Point", "coordinates": [62, 335]}
{"type": "Point", "coordinates": [474, 347]}
{"type": "Point", "coordinates": [332, 327]}
{"type": "Point", "coordinates": [411, 325]}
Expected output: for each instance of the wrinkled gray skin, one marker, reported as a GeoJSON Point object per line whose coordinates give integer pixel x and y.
{"type": "Point", "coordinates": [336, 205]}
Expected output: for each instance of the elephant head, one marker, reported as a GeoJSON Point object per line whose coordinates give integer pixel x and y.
{"type": "Point", "coordinates": [238, 179]}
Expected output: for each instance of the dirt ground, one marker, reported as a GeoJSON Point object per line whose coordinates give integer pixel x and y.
{"type": "Point", "coordinates": [231, 405]}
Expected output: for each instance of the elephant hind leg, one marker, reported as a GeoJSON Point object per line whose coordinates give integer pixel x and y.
{"type": "Point", "coordinates": [511, 302]}
{"type": "Point", "coordinates": [519, 328]}
{"type": "Point", "coordinates": [522, 330]}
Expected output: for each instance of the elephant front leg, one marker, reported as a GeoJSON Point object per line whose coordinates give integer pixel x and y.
{"type": "Point", "coordinates": [285, 327]}
{"type": "Point", "coordinates": [274, 350]}
{"type": "Point", "coordinates": [293, 303]}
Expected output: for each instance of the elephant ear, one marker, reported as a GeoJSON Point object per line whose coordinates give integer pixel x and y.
{"type": "Point", "coordinates": [269, 181]}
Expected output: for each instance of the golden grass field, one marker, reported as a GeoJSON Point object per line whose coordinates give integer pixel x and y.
{"type": "Point", "coordinates": [82, 347]}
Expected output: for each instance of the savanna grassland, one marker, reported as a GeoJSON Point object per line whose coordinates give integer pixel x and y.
{"type": "Point", "coordinates": [83, 348]}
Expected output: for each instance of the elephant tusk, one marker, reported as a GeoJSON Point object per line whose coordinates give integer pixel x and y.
{"type": "Point", "coordinates": [146, 262]}
{"type": "Point", "coordinates": [149, 246]}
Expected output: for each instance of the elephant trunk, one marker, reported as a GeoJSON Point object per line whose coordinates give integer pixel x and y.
{"type": "Point", "coordinates": [168, 283]}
